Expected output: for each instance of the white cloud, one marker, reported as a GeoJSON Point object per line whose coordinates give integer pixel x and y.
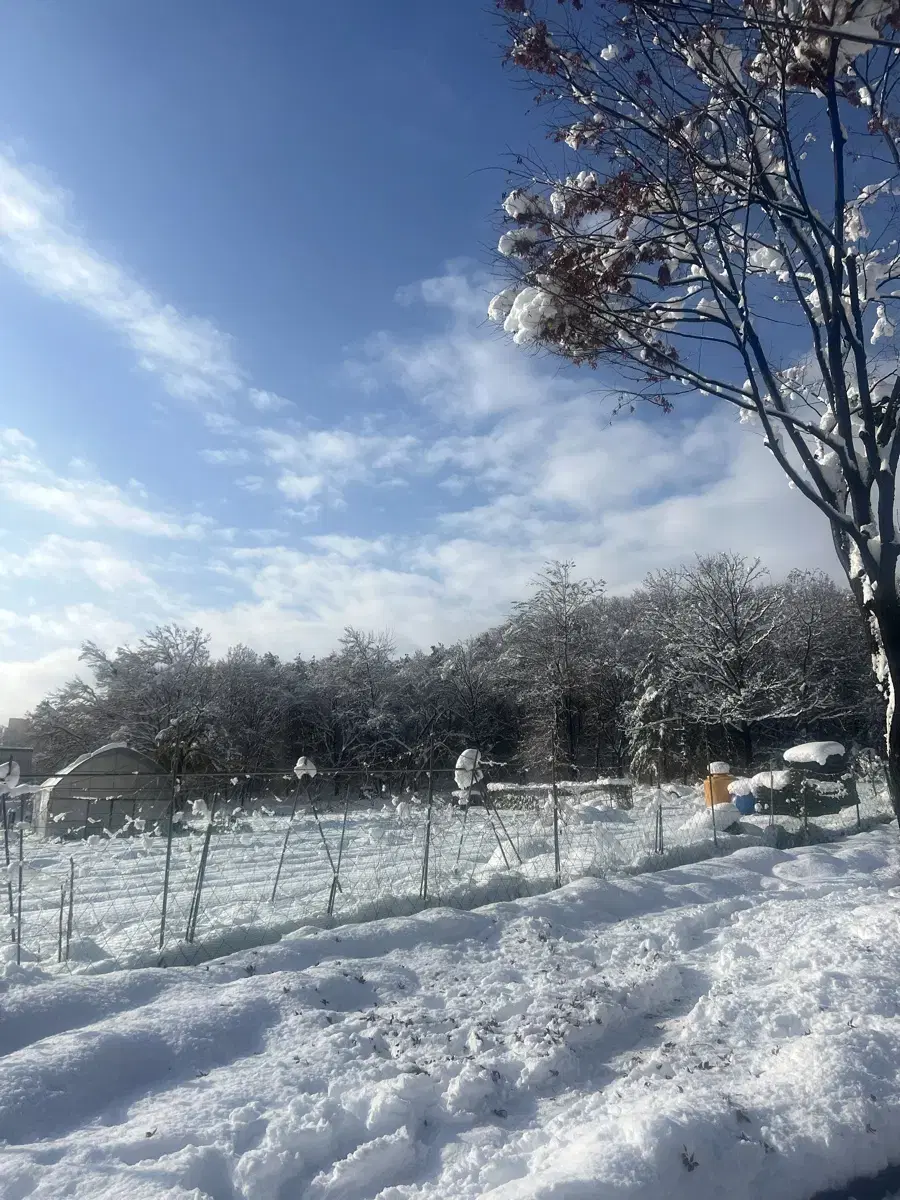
{"type": "Point", "coordinates": [62, 558]}
{"type": "Point", "coordinates": [39, 242]}
{"type": "Point", "coordinates": [267, 401]}
{"type": "Point", "coordinates": [23, 682]}
{"type": "Point", "coordinates": [225, 458]}
{"type": "Point", "coordinates": [300, 487]}
{"type": "Point", "coordinates": [324, 461]}
{"type": "Point", "coordinates": [86, 502]}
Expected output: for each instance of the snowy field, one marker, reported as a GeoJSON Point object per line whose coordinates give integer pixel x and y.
{"type": "Point", "coordinates": [98, 903]}
{"type": "Point", "coordinates": [729, 1028]}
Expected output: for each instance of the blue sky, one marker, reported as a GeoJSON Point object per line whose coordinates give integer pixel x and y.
{"type": "Point", "coordinates": [245, 254]}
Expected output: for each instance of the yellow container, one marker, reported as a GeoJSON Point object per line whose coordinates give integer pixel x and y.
{"type": "Point", "coordinates": [715, 789]}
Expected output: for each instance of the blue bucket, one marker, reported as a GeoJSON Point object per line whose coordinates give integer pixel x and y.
{"type": "Point", "coordinates": [744, 804]}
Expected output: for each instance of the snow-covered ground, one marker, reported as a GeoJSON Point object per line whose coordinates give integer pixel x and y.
{"type": "Point", "coordinates": [730, 1028]}
{"type": "Point", "coordinates": [117, 900]}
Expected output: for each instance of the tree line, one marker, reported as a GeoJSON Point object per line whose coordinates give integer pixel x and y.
{"type": "Point", "coordinates": [707, 661]}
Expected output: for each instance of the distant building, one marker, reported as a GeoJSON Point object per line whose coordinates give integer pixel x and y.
{"type": "Point", "coordinates": [109, 788]}
{"type": "Point", "coordinates": [18, 729]}
{"type": "Point", "coordinates": [17, 745]}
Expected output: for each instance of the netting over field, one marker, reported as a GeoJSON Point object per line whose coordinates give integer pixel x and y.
{"type": "Point", "coordinates": [227, 863]}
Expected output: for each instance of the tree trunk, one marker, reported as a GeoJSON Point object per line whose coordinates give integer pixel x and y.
{"type": "Point", "coordinates": [887, 665]}
{"type": "Point", "coordinates": [747, 745]}
{"type": "Point", "coordinates": [880, 606]}
{"type": "Point", "coordinates": [893, 755]}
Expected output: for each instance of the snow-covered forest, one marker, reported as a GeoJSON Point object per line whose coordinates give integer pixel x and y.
{"type": "Point", "coordinates": [713, 659]}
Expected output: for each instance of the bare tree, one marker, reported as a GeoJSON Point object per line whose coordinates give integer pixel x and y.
{"type": "Point", "coordinates": [548, 653]}
{"type": "Point", "coordinates": [740, 165]}
{"type": "Point", "coordinates": [821, 642]}
{"type": "Point", "coordinates": [720, 646]}
{"type": "Point", "coordinates": [156, 695]}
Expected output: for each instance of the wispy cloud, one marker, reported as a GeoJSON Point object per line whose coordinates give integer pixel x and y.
{"type": "Point", "coordinates": [82, 500]}
{"type": "Point", "coordinates": [38, 240]}
{"type": "Point", "coordinates": [267, 401]}
{"type": "Point", "coordinates": [60, 557]}
{"type": "Point", "coordinates": [225, 458]}
{"type": "Point", "coordinates": [324, 461]}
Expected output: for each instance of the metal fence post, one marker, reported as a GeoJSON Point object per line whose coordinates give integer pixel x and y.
{"type": "Point", "coordinates": [19, 907]}
{"type": "Point", "coordinates": [62, 922]}
{"type": "Point", "coordinates": [71, 913]}
{"type": "Point", "coordinates": [556, 861]}
{"type": "Point", "coordinates": [9, 886]}
{"type": "Point", "coordinates": [423, 890]}
{"type": "Point", "coordinates": [167, 870]}
{"type": "Point", "coordinates": [194, 911]}
{"type": "Point", "coordinates": [284, 844]}
{"type": "Point", "coordinates": [335, 884]}
{"type": "Point", "coordinates": [712, 801]}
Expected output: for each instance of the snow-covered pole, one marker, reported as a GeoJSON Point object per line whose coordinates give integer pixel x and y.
{"type": "Point", "coordinates": [555, 791]}
{"type": "Point", "coordinates": [71, 914]}
{"type": "Point", "coordinates": [804, 792]}
{"type": "Point", "coordinates": [9, 887]}
{"type": "Point", "coordinates": [167, 869]}
{"type": "Point", "coordinates": [712, 810]}
{"type": "Point", "coordinates": [62, 922]}
{"type": "Point", "coordinates": [19, 905]}
{"type": "Point", "coordinates": [423, 890]}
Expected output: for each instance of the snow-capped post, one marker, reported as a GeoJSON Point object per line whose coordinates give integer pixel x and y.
{"type": "Point", "coordinates": [735, 167]}
{"type": "Point", "coordinates": [423, 890]}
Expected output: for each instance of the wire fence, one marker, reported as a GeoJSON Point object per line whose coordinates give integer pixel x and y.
{"type": "Point", "coordinates": [102, 872]}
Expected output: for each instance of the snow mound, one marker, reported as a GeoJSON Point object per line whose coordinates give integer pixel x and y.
{"type": "Point", "coordinates": [528, 847]}
{"type": "Point", "coordinates": [740, 787]}
{"type": "Point", "coordinates": [775, 781]}
{"type": "Point", "coordinates": [726, 815]}
{"type": "Point", "coordinates": [590, 814]}
{"type": "Point", "coordinates": [719, 768]}
{"type": "Point", "coordinates": [814, 752]}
